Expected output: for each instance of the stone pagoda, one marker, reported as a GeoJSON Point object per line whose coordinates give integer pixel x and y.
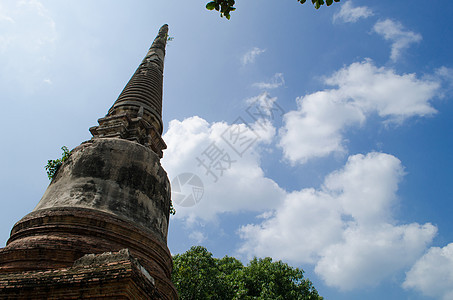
{"type": "Point", "coordinates": [100, 229]}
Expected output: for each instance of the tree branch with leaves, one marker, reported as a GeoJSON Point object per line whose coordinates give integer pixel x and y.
{"type": "Point", "coordinates": [227, 6]}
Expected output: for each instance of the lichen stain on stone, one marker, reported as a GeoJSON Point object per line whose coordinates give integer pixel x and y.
{"type": "Point", "coordinates": [86, 193]}
{"type": "Point", "coordinates": [116, 176]}
{"type": "Point", "coordinates": [90, 166]}
{"type": "Point", "coordinates": [136, 177]}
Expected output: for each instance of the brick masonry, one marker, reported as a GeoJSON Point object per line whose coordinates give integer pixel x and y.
{"type": "Point", "coordinates": [116, 276]}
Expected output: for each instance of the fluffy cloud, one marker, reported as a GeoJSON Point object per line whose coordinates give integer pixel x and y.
{"type": "Point", "coordinates": [276, 81]}
{"type": "Point", "coordinates": [366, 187]}
{"type": "Point", "coordinates": [350, 14]}
{"type": "Point", "coordinates": [236, 182]}
{"type": "Point", "coordinates": [251, 55]}
{"type": "Point", "coordinates": [302, 226]}
{"type": "Point", "coordinates": [264, 107]}
{"type": "Point", "coordinates": [316, 128]}
{"type": "Point", "coordinates": [392, 96]}
{"type": "Point", "coordinates": [368, 255]}
{"type": "Point", "coordinates": [395, 32]}
{"type": "Point", "coordinates": [197, 236]}
{"type": "Point", "coordinates": [432, 274]}
{"type": "Point", "coordinates": [345, 228]}
{"type": "Point", "coordinates": [445, 75]}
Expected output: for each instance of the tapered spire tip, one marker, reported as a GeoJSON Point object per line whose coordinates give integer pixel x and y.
{"type": "Point", "coordinates": [161, 39]}
{"type": "Point", "coordinates": [137, 113]}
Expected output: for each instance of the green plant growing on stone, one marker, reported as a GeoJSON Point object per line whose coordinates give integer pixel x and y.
{"type": "Point", "coordinates": [54, 164]}
{"type": "Point", "coordinates": [172, 208]}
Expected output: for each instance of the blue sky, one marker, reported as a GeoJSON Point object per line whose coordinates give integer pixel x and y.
{"type": "Point", "coordinates": [332, 127]}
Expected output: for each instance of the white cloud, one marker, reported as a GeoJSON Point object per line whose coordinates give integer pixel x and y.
{"type": "Point", "coordinates": [317, 127]}
{"type": "Point", "coordinates": [366, 186]}
{"type": "Point", "coordinates": [276, 81]}
{"type": "Point", "coordinates": [400, 38]}
{"type": "Point", "coordinates": [432, 274]}
{"type": "Point", "coordinates": [369, 255]}
{"type": "Point", "coordinates": [345, 228]}
{"type": "Point", "coordinates": [251, 55]}
{"type": "Point", "coordinates": [242, 186]}
{"type": "Point", "coordinates": [197, 236]}
{"type": "Point", "coordinates": [392, 96]}
{"type": "Point", "coordinates": [350, 14]}
{"type": "Point", "coordinates": [445, 75]}
{"type": "Point", "coordinates": [300, 227]}
{"type": "Point", "coordinates": [264, 107]}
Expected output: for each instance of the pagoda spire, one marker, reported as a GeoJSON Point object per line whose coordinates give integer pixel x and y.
{"type": "Point", "coordinates": [100, 229]}
{"type": "Point", "coordinates": [137, 113]}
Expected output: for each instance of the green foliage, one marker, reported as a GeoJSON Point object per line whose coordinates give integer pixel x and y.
{"type": "Point", "coordinates": [226, 6]}
{"type": "Point", "coordinates": [318, 3]}
{"type": "Point", "coordinates": [54, 164]}
{"type": "Point", "coordinates": [197, 275]}
{"type": "Point", "coordinates": [172, 208]}
{"type": "Point", "coordinates": [264, 279]}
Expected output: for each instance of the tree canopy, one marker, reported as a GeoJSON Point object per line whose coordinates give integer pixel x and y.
{"type": "Point", "coordinates": [227, 6]}
{"type": "Point", "coordinates": [198, 275]}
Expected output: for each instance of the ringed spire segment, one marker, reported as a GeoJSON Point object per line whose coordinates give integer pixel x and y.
{"type": "Point", "coordinates": [137, 113]}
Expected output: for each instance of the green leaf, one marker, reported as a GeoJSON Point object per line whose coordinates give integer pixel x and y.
{"type": "Point", "coordinates": [318, 3]}
{"type": "Point", "coordinates": [54, 164]}
{"type": "Point", "coordinates": [329, 2]}
{"type": "Point", "coordinates": [210, 5]}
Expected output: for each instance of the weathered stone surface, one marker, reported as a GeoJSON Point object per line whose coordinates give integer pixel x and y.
{"type": "Point", "coordinates": [110, 275]}
{"type": "Point", "coordinates": [54, 238]}
{"type": "Point", "coordinates": [115, 176]}
{"type": "Point", "coordinates": [111, 258]}
{"type": "Point", "coordinates": [90, 260]}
